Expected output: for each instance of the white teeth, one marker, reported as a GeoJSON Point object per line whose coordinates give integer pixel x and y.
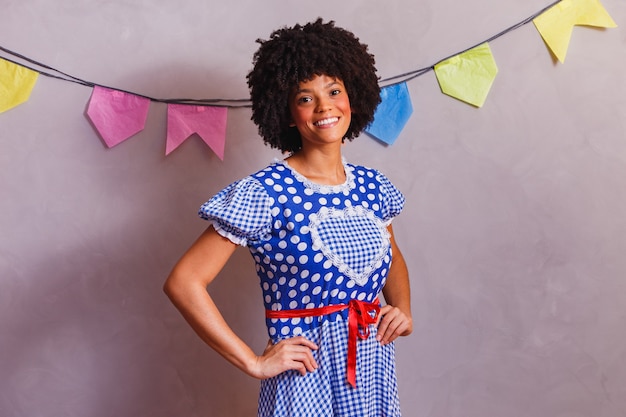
{"type": "Point", "coordinates": [327, 121]}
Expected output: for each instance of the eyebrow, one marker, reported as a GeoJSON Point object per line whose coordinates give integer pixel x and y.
{"type": "Point", "coordinates": [306, 90]}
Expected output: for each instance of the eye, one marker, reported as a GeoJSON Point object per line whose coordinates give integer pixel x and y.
{"type": "Point", "coordinates": [335, 92]}
{"type": "Point", "coordinates": [304, 99]}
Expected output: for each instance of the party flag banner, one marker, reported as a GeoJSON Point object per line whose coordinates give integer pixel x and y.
{"type": "Point", "coordinates": [16, 83]}
{"type": "Point", "coordinates": [469, 75]}
{"type": "Point", "coordinates": [208, 122]}
{"type": "Point", "coordinates": [392, 113]}
{"type": "Point", "coordinates": [557, 23]}
{"type": "Point", "coordinates": [117, 115]}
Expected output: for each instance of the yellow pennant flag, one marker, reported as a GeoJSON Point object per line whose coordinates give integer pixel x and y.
{"type": "Point", "coordinates": [16, 83]}
{"type": "Point", "coordinates": [469, 75]}
{"type": "Point", "coordinates": [556, 24]}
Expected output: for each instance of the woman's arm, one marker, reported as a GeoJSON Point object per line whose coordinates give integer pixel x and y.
{"type": "Point", "coordinates": [396, 319]}
{"type": "Point", "coordinates": [186, 287]}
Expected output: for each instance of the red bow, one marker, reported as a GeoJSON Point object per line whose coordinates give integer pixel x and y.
{"type": "Point", "coordinates": [360, 315]}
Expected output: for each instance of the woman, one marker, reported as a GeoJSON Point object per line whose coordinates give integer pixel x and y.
{"type": "Point", "coordinates": [319, 230]}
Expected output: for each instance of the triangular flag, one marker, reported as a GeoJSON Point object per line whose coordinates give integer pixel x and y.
{"type": "Point", "coordinates": [208, 122]}
{"type": "Point", "coordinates": [556, 24]}
{"type": "Point", "coordinates": [16, 83]}
{"type": "Point", "coordinates": [469, 75]}
{"type": "Point", "coordinates": [117, 115]}
{"type": "Point", "coordinates": [392, 113]}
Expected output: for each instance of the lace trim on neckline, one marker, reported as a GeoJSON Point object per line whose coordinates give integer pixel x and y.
{"type": "Point", "coordinates": [348, 185]}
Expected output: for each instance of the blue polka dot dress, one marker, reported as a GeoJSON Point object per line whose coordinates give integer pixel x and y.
{"type": "Point", "coordinates": [314, 246]}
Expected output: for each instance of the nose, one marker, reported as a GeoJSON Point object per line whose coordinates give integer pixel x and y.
{"type": "Point", "coordinates": [323, 104]}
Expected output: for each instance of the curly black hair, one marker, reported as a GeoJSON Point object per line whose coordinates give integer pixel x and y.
{"type": "Point", "coordinates": [297, 54]}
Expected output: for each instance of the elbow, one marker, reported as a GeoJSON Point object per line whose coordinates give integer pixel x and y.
{"type": "Point", "coordinates": [173, 291]}
{"type": "Point", "coordinates": [166, 288]}
{"type": "Point", "coordinates": [169, 287]}
{"type": "Point", "coordinates": [177, 287]}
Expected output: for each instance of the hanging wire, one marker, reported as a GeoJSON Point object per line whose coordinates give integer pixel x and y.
{"type": "Point", "coordinates": [416, 73]}
{"type": "Point", "coordinates": [243, 102]}
{"type": "Point", "coordinates": [60, 75]}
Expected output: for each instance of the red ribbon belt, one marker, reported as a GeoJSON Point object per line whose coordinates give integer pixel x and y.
{"type": "Point", "coordinates": [359, 319]}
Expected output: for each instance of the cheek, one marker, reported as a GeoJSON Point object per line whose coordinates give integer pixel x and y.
{"type": "Point", "coordinates": [299, 115]}
{"type": "Point", "coordinates": [345, 105]}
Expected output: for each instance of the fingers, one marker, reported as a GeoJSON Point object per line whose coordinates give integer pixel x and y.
{"type": "Point", "coordinates": [301, 340]}
{"type": "Point", "coordinates": [290, 354]}
{"type": "Point", "coordinates": [299, 352]}
{"type": "Point", "coordinates": [393, 323]}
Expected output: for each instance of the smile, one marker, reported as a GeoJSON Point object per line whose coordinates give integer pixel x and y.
{"type": "Point", "coordinates": [325, 122]}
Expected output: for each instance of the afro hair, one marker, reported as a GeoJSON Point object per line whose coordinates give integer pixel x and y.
{"type": "Point", "coordinates": [297, 54]}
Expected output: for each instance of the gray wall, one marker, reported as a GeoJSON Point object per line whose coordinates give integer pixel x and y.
{"type": "Point", "coordinates": [514, 228]}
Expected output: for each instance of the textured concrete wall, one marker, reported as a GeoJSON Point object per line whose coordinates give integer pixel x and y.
{"type": "Point", "coordinates": [514, 228]}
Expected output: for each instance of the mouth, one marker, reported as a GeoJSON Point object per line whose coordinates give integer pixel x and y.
{"type": "Point", "coordinates": [326, 122]}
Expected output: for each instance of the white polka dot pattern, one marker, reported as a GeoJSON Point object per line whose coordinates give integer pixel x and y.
{"type": "Point", "coordinates": [313, 245]}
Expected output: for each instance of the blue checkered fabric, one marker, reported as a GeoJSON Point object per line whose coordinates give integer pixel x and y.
{"type": "Point", "coordinates": [340, 233]}
{"type": "Point", "coordinates": [239, 210]}
{"type": "Point", "coordinates": [324, 392]}
{"type": "Point", "coordinates": [313, 246]}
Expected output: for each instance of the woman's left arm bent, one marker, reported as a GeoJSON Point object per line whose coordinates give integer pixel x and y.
{"type": "Point", "coordinates": [395, 316]}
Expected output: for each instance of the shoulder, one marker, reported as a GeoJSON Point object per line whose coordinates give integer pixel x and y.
{"type": "Point", "coordinates": [392, 200]}
{"type": "Point", "coordinates": [256, 182]}
{"type": "Point", "coordinates": [364, 172]}
{"type": "Point", "coordinates": [245, 195]}
{"type": "Point", "coordinates": [277, 166]}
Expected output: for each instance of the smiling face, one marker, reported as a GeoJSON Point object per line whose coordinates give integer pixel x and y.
{"type": "Point", "coordinates": [320, 110]}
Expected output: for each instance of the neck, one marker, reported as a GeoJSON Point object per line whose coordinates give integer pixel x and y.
{"type": "Point", "coordinates": [322, 166]}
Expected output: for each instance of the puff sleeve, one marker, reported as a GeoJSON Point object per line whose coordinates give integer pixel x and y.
{"type": "Point", "coordinates": [241, 212]}
{"type": "Point", "coordinates": [392, 200]}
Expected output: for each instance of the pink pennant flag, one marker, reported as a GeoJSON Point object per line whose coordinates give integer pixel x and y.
{"type": "Point", "coordinates": [209, 123]}
{"type": "Point", "coordinates": [117, 115]}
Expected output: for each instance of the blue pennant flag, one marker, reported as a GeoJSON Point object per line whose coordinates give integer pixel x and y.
{"type": "Point", "coordinates": [392, 113]}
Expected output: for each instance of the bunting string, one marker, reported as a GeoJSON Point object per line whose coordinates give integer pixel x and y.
{"type": "Point", "coordinates": [405, 77]}
{"type": "Point", "coordinates": [218, 102]}
{"type": "Point", "coordinates": [408, 76]}
{"type": "Point", "coordinates": [467, 76]}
